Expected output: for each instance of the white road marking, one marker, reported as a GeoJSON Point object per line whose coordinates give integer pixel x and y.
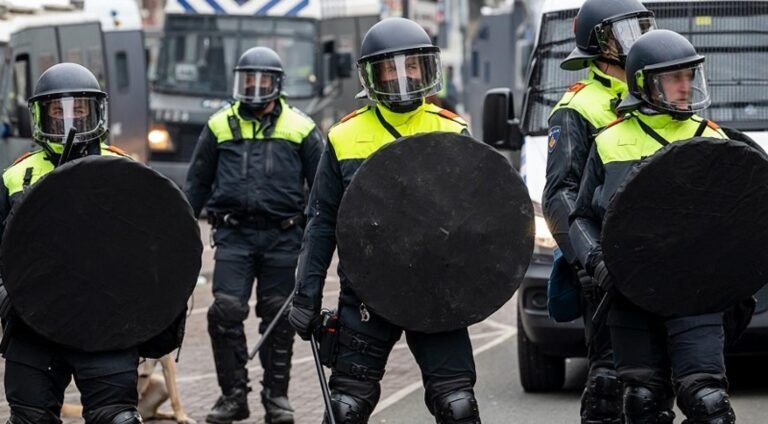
{"type": "Point", "coordinates": [503, 335]}
{"type": "Point", "coordinates": [407, 390]}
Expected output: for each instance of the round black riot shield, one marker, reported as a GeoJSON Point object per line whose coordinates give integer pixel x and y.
{"type": "Point", "coordinates": [100, 254]}
{"type": "Point", "coordinates": [435, 232]}
{"type": "Point", "coordinates": [686, 232]}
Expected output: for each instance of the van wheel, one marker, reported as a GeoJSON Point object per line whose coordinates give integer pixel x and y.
{"type": "Point", "coordinates": [538, 372]}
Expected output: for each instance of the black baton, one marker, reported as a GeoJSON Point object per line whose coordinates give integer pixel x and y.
{"type": "Point", "coordinates": [603, 307]}
{"type": "Point", "coordinates": [323, 382]}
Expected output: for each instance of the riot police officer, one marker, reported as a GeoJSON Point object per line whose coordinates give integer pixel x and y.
{"type": "Point", "coordinates": [399, 67]}
{"type": "Point", "coordinates": [656, 357]}
{"type": "Point", "coordinates": [67, 96]}
{"type": "Point", "coordinates": [604, 30]}
{"type": "Point", "coordinates": [249, 170]}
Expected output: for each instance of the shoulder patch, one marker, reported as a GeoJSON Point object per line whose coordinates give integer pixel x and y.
{"type": "Point", "coordinates": [115, 149]}
{"type": "Point", "coordinates": [554, 136]}
{"type": "Point", "coordinates": [447, 114]}
{"type": "Point", "coordinates": [353, 114]}
{"type": "Point", "coordinates": [614, 122]}
{"type": "Point", "coordinates": [22, 157]}
{"type": "Point", "coordinates": [576, 87]}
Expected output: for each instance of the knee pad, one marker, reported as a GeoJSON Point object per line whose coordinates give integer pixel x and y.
{"type": "Point", "coordinates": [30, 415]}
{"type": "Point", "coordinates": [349, 409]}
{"type": "Point", "coordinates": [602, 398]}
{"type": "Point", "coordinates": [226, 316]}
{"type": "Point", "coordinates": [227, 309]}
{"type": "Point", "coordinates": [459, 407]}
{"type": "Point", "coordinates": [709, 405]}
{"type": "Point", "coordinates": [644, 405]}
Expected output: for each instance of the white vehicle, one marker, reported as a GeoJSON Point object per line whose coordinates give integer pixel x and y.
{"type": "Point", "coordinates": [105, 38]}
{"type": "Point", "coordinates": [202, 39]}
{"type": "Point", "coordinates": [732, 35]}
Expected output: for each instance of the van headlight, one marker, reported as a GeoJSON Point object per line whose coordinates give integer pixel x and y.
{"type": "Point", "coordinates": [543, 243]}
{"type": "Point", "coordinates": [159, 139]}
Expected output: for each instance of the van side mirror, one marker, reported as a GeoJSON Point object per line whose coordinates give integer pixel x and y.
{"type": "Point", "coordinates": [343, 64]}
{"type": "Point", "coordinates": [500, 128]}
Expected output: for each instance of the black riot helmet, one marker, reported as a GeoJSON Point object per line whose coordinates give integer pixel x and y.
{"type": "Point", "coordinates": [399, 66]}
{"type": "Point", "coordinates": [665, 73]}
{"type": "Point", "coordinates": [606, 29]}
{"type": "Point", "coordinates": [259, 77]}
{"type": "Point", "coordinates": [68, 96]}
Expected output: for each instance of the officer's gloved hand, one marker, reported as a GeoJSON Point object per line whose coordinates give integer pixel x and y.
{"type": "Point", "coordinates": [602, 276]}
{"type": "Point", "coordinates": [304, 320]}
{"type": "Point", "coordinates": [586, 281]}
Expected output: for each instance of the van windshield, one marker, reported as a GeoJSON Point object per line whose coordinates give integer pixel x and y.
{"type": "Point", "coordinates": [732, 36]}
{"type": "Point", "coordinates": [199, 52]}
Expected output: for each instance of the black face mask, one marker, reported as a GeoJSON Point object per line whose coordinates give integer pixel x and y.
{"type": "Point", "coordinates": [403, 107]}
{"type": "Point", "coordinates": [254, 108]}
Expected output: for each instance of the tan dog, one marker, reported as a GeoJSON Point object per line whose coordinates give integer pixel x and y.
{"type": "Point", "coordinates": [153, 391]}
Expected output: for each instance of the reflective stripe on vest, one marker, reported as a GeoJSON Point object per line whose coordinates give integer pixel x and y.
{"type": "Point", "coordinates": [626, 141]}
{"type": "Point", "coordinates": [291, 125]}
{"type": "Point", "coordinates": [363, 134]}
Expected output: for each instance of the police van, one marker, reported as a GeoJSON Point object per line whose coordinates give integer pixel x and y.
{"type": "Point", "coordinates": [201, 41]}
{"type": "Point", "coordinates": [105, 37]}
{"type": "Point", "coordinates": [733, 36]}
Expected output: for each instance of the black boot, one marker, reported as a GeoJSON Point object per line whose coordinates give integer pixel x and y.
{"type": "Point", "coordinates": [275, 355]}
{"type": "Point", "coordinates": [230, 407]}
{"type": "Point", "coordinates": [278, 409]}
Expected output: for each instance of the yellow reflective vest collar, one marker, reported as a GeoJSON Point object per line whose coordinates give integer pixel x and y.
{"type": "Point", "coordinates": [360, 134]}
{"type": "Point", "coordinates": [292, 125]}
{"type": "Point", "coordinates": [29, 169]}
{"type": "Point", "coordinates": [627, 141]}
{"type": "Point", "coordinates": [595, 97]}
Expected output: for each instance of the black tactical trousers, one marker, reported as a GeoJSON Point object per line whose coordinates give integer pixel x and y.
{"type": "Point", "coordinates": [268, 256]}
{"type": "Point", "coordinates": [670, 356]}
{"type": "Point", "coordinates": [36, 377]}
{"type": "Point", "coordinates": [365, 342]}
{"type": "Point", "coordinates": [598, 338]}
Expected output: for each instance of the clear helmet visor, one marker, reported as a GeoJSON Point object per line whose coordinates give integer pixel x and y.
{"type": "Point", "coordinates": [54, 117]}
{"type": "Point", "coordinates": [256, 87]}
{"type": "Point", "coordinates": [678, 90]}
{"type": "Point", "coordinates": [616, 37]}
{"type": "Point", "coordinates": [401, 77]}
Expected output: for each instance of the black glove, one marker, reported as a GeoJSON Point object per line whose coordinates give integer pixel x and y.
{"type": "Point", "coordinates": [304, 320]}
{"type": "Point", "coordinates": [602, 276]}
{"type": "Point", "coordinates": [586, 281]}
{"type": "Point", "coordinates": [592, 292]}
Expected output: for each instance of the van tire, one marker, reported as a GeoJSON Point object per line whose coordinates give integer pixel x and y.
{"type": "Point", "coordinates": [538, 372]}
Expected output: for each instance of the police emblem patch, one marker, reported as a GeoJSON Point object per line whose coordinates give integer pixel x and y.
{"type": "Point", "coordinates": [554, 135]}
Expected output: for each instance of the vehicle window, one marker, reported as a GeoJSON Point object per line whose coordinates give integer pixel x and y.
{"type": "Point", "coordinates": [121, 65]}
{"type": "Point", "coordinates": [198, 51]}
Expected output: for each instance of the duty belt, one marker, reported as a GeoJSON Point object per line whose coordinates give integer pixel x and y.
{"type": "Point", "coordinates": [233, 219]}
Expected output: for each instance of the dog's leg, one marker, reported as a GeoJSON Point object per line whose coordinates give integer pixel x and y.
{"type": "Point", "coordinates": [69, 410]}
{"type": "Point", "coordinates": [152, 397]}
{"type": "Point", "coordinates": [169, 372]}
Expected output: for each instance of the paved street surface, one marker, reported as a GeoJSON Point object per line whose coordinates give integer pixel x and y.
{"type": "Point", "coordinates": [501, 398]}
